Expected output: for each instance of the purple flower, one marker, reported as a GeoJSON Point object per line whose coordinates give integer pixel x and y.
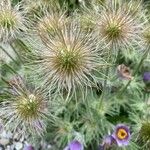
{"type": "Point", "coordinates": [108, 141]}
{"type": "Point", "coordinates": [74, 145]}
{"type": "Point", "coordinates": [29, 147]}
{"type": "Point", "coordinates": [121, 135]}
{"type": "Point", "coordinates": [146, 77]}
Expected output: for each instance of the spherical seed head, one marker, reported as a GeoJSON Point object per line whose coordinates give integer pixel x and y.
{"type": "Point", "coordinates": [25, 109]}
{"type": "Point", "coordinates": [119, 27]}
{"type": "Point", "coordinates": [145, 132]}
{"type": "Point", "coordinates": [28, 107]}
{"type": "Point", "coordinates": [146, 36]}
{"type": "Point", "coordinates": [48, 3]}
{"type": "Point", "coordinates": [113, 31]}
{"type": "Point", "coordinates": [68, 60]}
{"type": "Point", "coordinates": [50, 23]}
{"type": "Point", "coordinates": [86, 22]}
{"type": "Point", "coordinates": [11, 22]}
{"type": "Point", "coordinates": [34, 7]}
{"type": "Point", "coordinates": [116, 29]}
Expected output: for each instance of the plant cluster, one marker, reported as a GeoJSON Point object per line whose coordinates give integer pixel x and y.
{"type": "Point", "coordinates": [76, 73]}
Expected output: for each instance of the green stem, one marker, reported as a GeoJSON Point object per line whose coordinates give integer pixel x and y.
{"type": "Point", "coordinates": [8, 55]}
{"type": "Point", "coordinates": [136, 70]}
{"type": "Point", "coordinates": [16, 53]}
{"type": "Point", "coordinates": [11, 68]}
{"type": "Point", "coordinates": [107, 71]}
{"type": "Point", "coordinates": [106, 77]}
{"type": "Point", "coordinates": [22, 45]}
{"type": "Point", "coordinates": [5, 81]}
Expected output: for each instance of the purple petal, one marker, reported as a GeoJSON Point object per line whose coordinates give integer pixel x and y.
{"type": "Point", "coordinates": [146, 76]}
{"type": "Point", "coordinates": [29, 147]}
{"type": "Point", "coordinates": [122, 143]}
{"type": "Point", "coordinates": [66, 148]}
{"type": "Point", "coordinates": [109, 140]}
{"type": "Point", "coordinates": [74, 145]}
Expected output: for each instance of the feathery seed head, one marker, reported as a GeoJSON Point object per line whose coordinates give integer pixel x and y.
{"type": "Point", "coordinates": [25, 108]}
{"type": "Point", "coordinates": [86, 22]}
{"type": "Point", "coordinates": [115, 29]}
{"type": "Point", "coordinates": [28, 107]}
{"type": "Point", "coordinates": [49, 3]}
{"type": "Point", "coordinates": [11, 22]}
{"type": "Point", "coordinates": [117, 26]}
{"type": "Point", "coordinates": [69, 59]}
{"type": "Point", "coordinates": [144, 133]}
{"type": "Point", "coordinates": [50, 23]}
{"type": "Point", "coordinates": [146, 36]}
{"type": "Point", "coordinates": [134, 6]}
{"type": "Point", "coordinates": [32, 8]}
{"type": "Point", "coordinates": [36, 8]}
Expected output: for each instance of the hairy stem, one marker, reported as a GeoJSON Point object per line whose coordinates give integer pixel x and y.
{"type": "Point", "coordinates": [16, 53]}
{"type": "Point", "coordinates": [106, 75]}
{"type": "Point", "coordinates": [9, 67]}
{"type": "Point", "coordinates": [8, 55]}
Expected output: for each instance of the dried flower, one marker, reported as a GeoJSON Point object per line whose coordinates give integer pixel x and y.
{"type": "Point", "coordinates": [69, 60]}
{"type": "Point", "coordinates": [144, 133]}
{"type": "Point", "coordinates": [74, 145]}
{"type": "Point", "coordinates": [146, 35]}
{"type": "Point", "coordinates": [12, 21]}
{"type": "Point", "coordinates": [25, 108]}
{"type": "Point", "coordinates": [50, 23]}
{"type": "Point", "coordinates": [117, 26]}
{"type": "Point", "coordinates": [33, 6]}
{"type": "Point", "coordinates": [122, 135]}
{"type": "Point", "coordinates": [124, 72]}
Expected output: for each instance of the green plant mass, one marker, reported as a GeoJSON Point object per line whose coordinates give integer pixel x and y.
{"type": "Point", "coordinates": [74, 75]}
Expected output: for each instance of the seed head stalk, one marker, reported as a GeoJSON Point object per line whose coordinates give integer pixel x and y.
{"type": "Point", "coordinates": [9, 55]}
{"type": "Point", "coordinates": [106, 77]}
{"type": "Point", "coordinates": [16, 52]}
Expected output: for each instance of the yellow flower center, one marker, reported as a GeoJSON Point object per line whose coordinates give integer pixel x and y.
{"type": "Point", "coordinates": [122, 134]}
